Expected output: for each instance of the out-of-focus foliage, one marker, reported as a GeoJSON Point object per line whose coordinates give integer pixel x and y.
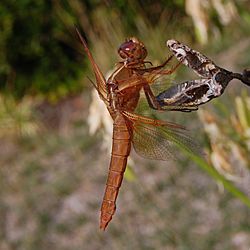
{"type": "Point", "coordinates": [35, 56]}
{"type": "Point", "coordinates": [229, 137]}
{"type": "Point", "coordinates": [17, 119]}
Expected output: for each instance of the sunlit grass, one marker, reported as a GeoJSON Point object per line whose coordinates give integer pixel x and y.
{"type": "Point", "coordinates": [229, 185]}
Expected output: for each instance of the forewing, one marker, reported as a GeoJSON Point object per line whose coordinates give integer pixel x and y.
{"type": "Point", "coordinates": [101, 84]}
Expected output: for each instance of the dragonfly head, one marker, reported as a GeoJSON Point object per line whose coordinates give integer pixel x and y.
{"type": "Point", "coordinates": [132, 50]}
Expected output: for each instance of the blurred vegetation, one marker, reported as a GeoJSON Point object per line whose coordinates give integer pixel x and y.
{"type": "Point", "coordinates": [34, 56]}
{"type": "Point", "coordinates": [51, 179]}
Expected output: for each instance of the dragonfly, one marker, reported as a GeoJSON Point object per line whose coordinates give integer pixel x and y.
{"type": "Point", "coordinates": [188, 95]}
{"type": "Point", "coordinates": [151, 138]}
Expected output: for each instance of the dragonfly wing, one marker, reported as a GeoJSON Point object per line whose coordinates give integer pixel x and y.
{"type": "Point", "coordinates": [160, 143]}
{"type": "Point", "coordinates": [101, 84]}
{"type": "Point", "coordinates": [159, 140]}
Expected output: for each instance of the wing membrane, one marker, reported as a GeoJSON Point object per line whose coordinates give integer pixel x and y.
{"type": "Point", "coordinates": [101, 84]}
{"type": "Point", "coordinates": [159, 140]}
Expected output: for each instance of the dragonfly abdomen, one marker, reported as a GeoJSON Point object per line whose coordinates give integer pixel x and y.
{"type": "Point", "coordinates": [120, 150]}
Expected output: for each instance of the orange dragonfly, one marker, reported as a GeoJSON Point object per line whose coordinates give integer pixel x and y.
{"type": "Point", "coordinates": [151, 138]}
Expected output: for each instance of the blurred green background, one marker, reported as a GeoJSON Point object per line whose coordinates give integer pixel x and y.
{"type": "Point", "coordinates": [53, 172]}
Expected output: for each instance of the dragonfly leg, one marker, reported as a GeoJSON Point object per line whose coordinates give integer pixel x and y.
{"type": "Point", "coordinates": [151, 99]}
{"type": "Point", "coordinates": [169, 71]}
{"type": "Point", "coordinates": [158, 69]}
{"type": "Point", "coordinates": [155, 69]}
{"type": "Point", "coordinates": [115, 73]}
{"type": "Point", "coordinates": [180, 108]}
{"type": "Point", "coordinates": [128, 83]}
{"type": "Point", "coordinates": [152, 69]}
{"type": "Point", "coordinates": [155, 104]}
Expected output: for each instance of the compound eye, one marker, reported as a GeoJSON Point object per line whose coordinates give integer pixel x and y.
{"type": "Point", "coordinates": [132, 50]}
{"type": "Point", "coordinates": [126, 48]}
